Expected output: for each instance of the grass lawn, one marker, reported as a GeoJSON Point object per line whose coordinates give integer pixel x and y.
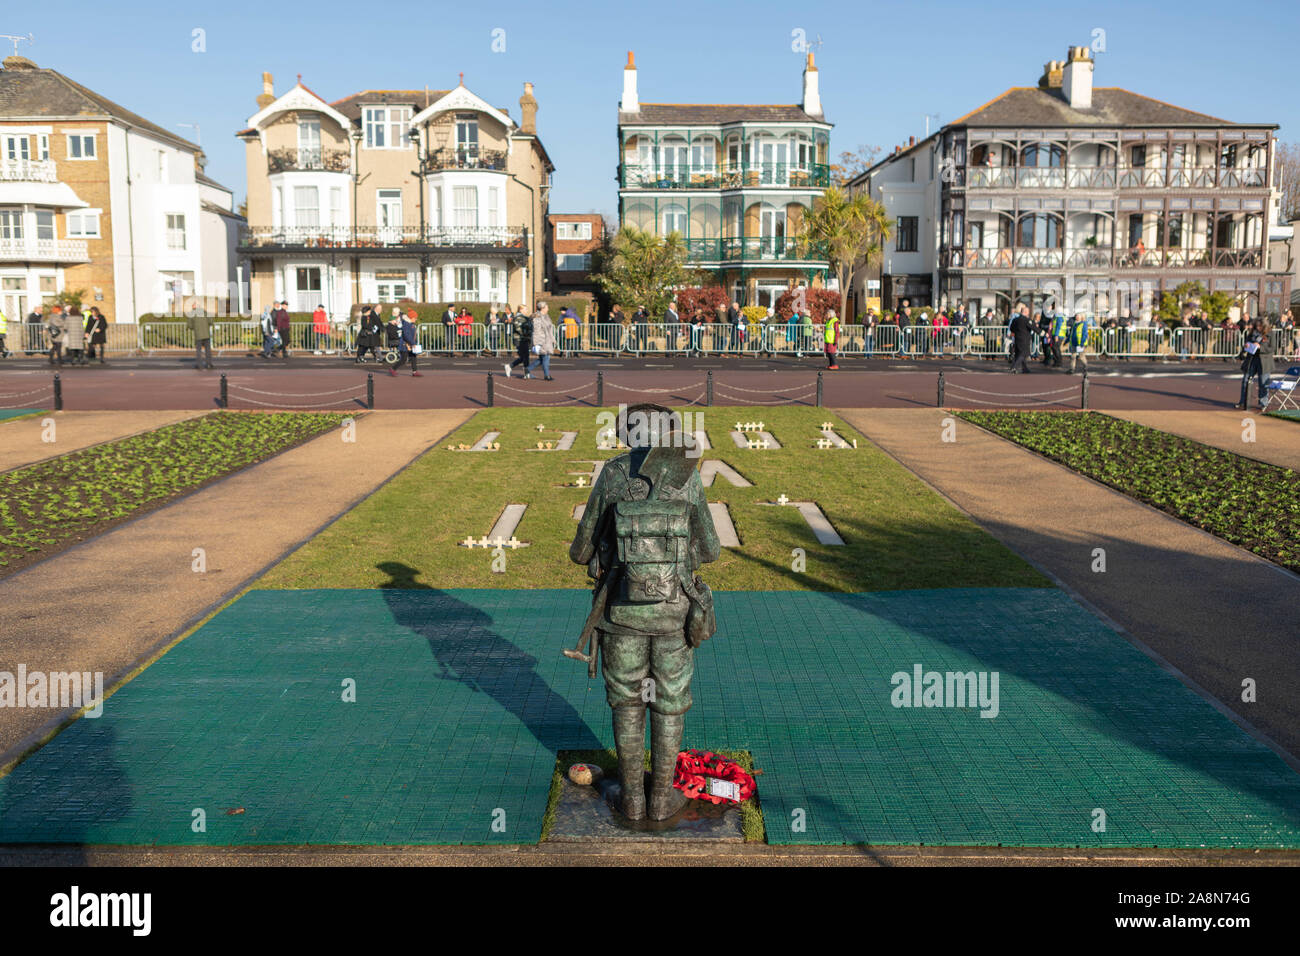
{"type": "Point", "coordinates": [1249, 503]}
{"type": "Point", "coordinates": [899, 534]}
{"type": "Point", "coordinates": [53, 504]}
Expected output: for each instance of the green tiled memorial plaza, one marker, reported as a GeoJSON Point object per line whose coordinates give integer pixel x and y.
{"type": "Point", "coordinates": [462, 700]}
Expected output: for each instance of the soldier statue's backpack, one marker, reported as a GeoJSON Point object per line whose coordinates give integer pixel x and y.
{"type": "Point", "coordinates": [654, 548]}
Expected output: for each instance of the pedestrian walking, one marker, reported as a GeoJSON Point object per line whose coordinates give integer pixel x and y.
{"type": "Point", "coordinates": [1022, 339]}
{"type": "Point", "coordinates": [522, 330]}
{"type": "Point", "coordinates": [4, 331]}
{"type": "Point", "coordinates": [543, 342]}
{"type": "Point", "coordinates": [269, 335]}
{"type": "Point", "coordinates": [369, 333]}
{"type": "Point", "coordinates": [408, 343]}
{"type": "Point", "coordinates": [283, 327]}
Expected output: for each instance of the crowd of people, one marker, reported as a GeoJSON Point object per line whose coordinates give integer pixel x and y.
{"type": "Point", "coordinates": [68, 336]}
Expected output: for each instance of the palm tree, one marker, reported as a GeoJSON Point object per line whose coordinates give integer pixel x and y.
{"type": "Point", "coordinates": [850, 231]}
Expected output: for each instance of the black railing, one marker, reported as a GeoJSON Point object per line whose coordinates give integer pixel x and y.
{"type": "Point", "coordinates": [436, 160]}
{"type": "Point", "coordinates": [304, 159]}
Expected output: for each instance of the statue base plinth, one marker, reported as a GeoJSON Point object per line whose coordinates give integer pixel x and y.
{"type": "Point", "coordinates": [590, 814]}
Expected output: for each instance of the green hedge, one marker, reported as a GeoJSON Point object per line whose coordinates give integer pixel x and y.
{"type": "Point", "coordinates": [431, 312]}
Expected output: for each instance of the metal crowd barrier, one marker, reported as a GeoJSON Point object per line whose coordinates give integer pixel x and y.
{"type": "Point", "coordinates": [777, 338]}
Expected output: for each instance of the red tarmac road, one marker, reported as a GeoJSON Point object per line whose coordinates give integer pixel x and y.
{"type": "Point", "coordinates": [329, 384]}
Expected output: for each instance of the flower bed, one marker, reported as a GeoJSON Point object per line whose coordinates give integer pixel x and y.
{"type": "Point", "coordinates": [53, 504]}
{"type": "Point", "coordinates": [1251, 504]}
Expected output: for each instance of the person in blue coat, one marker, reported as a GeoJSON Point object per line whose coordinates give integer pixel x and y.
{"type": "Point", "coordinates": [407, 343]}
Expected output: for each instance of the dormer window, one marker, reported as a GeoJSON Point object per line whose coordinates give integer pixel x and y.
{"type": "Point", "coordinates": [385, 126]}
{"type": "Point", "coordinates": [309, 156]}
{"type": "Point", "coordinates": [466, 136]}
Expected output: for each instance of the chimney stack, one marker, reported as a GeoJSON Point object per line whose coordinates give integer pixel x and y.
{"type": "Point", "coordinates": [911, 141]}
{"type": "Point", "coordinates": [629, 103]}
{"type": "Point", "coordinates": [1051, 78]}
{"type": "Point", "coordinates": [812, 100]}
{"type": "Point", "coordinates": [528, 111]}
{"type": "Point", "coordinates": [268, 95]}
{"type": "Point", "coordinates": [1076, 78]}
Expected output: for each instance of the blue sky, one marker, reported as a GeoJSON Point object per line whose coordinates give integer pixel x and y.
{"type": "Point", "coordinates": [883, 65]}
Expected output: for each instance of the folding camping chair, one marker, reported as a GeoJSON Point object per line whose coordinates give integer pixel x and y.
{"type": "Point", "coordinates": [1283, 389]}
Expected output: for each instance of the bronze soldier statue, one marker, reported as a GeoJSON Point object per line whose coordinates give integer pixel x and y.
{"type": "Point", "coordinates": [646, 530]}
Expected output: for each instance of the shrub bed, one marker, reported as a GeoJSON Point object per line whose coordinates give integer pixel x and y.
{"type": "Point", "coordinates": [1249, 503]}
{"type": "Point", "coordinates": [53, 504]}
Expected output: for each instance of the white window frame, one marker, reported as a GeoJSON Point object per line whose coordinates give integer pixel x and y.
{"type": "Point", "coordinates": [309, 143]}
{"type": "Point", "coordinates": [467, 147]}
{"type": "Point", "coordinates": [493, 210]}
{"type": "Point", "coordinates": [390, 289]}
{"type": "Point", "coordinates": [12, 225]}
{"type": "Point", "coordinates": [43, 146]}
{"type": "Point", "coordinates": [463, 293]}
{"type": "Point", "coordinates": [20, 144]}
{"type": "Point", "coordinates": [171, 231]}
{"type": "Point", "coordinates": [390, 122]}
{"type": "Point", "coordinates": [336, 206]}
{"type": "Point", "coordinates": [51, 223]}
{"type": "Point", "coordinates": [82, 138]}
{"type": "Point", "coordinates": [299, 208]}
{"type": "Point", "coordinates": [562, 266]}
{"type": "Point", "coordinates": [570, 230]}
{"type": "Point", "coordinates": [75, 225]}
{"type": "Point", "coordinates": [388, 202]}
{"type": "Point", "coordinates": [458, 211]}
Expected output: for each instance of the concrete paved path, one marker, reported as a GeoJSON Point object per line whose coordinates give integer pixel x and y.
{"type": "Point", "coordinates": [105, 604]}
{"type": "Point", "coordinates": [1215, 612]}
{"type": "Point", "coordinates": [1276, 442]}
{"type": "Point", "coordinates": [22, 442]}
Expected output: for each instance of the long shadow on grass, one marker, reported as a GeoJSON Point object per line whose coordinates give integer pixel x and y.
{"type": "Point", "coordinates": [467, 651]}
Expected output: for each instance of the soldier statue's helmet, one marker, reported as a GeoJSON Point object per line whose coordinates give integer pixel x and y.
{"type": "Point", "coordinates": [647, 425]}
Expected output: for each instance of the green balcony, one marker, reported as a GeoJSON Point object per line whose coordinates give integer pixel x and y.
{"type": "Point", "coordinates": [743, 176]}
{"type": "Point", "coordinates": [753, 249]}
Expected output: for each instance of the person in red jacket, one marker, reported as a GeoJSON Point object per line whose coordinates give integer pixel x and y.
{"type": "Point", "coordinates": [938, 332]}
{"type": "Point", "coordinates": [320, 327]}
{"type": "Point", "coordinates": [464, 329]}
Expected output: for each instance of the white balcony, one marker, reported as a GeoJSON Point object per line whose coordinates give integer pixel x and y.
{"type": "Point", "coordinates": [43, 250]}
{"type": "Point", "coordinates": [28, 171]}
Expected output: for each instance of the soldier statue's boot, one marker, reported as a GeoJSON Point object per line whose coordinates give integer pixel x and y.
{"type": "Point", "coordinates": [629, 741]}
{"type": "Point", "coordinates": [665, 744]}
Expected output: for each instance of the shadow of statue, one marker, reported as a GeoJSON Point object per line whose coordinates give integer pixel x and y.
{"type": "Point", "coordinates": [468, 651]}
